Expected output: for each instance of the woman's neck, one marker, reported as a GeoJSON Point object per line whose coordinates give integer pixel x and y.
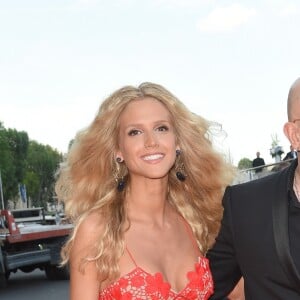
{"type": "Point", "coordinates": [147, 200]}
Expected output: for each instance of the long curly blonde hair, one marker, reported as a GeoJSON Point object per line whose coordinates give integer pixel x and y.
{"type": "Point", "coordinates": [86, 181]}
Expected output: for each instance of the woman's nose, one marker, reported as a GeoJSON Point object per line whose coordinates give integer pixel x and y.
{"type": "Point", "coordinates": [150, 141]}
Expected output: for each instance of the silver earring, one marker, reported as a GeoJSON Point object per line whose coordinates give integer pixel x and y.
{"type": "Point", "coordinates": [119, 159]}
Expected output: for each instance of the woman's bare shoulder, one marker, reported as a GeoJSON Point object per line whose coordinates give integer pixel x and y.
{"type": "Point", "coordinates": [88, 232]}
{"type": "Point", "coordinates": [92, 224]}
{"type": "Point", "coordinates": [84, 272]}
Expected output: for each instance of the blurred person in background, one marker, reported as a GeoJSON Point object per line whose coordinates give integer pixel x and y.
{"type": "Point", "coordinates": [257, 162]}
{"type": "Point", "coordinates": [292, 154]}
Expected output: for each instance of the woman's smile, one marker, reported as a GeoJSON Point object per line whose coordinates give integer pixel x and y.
{"type": "Point", "coordinates": [156, 157]}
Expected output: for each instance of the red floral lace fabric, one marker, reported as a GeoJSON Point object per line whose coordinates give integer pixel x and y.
{"type": "Point", "coordinates": [140, 285]}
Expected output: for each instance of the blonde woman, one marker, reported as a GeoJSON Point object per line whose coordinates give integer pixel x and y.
{"type": "Point", "coordinates": [143, 186]}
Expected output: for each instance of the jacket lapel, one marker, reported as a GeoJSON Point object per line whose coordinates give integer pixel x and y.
{"type": "Point", "coordinates": [280, 230]}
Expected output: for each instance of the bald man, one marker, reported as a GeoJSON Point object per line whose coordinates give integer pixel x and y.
{"type": "Point", "coordinates": [259, 239]}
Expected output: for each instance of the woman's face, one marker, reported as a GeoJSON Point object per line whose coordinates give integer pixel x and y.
{"type": "Point", "coordinates": [147, 139]}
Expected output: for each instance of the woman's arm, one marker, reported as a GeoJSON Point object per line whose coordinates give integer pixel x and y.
{"type": "Point", "coordinates": [84, 284]}
{"type": "Point", "coordinates": [222, 257]}
{"type": "Point", "coordinates": [238, 292]}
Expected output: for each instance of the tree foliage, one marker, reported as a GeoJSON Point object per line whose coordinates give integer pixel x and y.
{"type": "Point", "coordinates": [42, 163]}
{"type": "Point", "coordinates": [244, 163]}
{"type": "Point", "coordinates": [27, 162]}
{"type": "Point", "coordinates": [13, 152]}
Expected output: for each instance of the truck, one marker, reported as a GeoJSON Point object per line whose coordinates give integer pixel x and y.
{"type": "Point", "coordinates": [29, 240]}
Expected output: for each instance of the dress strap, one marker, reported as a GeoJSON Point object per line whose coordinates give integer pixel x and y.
{"type": "Point", "coordinates": [190, 234]}
{"type": "Point", "coordinates": [131, 256]}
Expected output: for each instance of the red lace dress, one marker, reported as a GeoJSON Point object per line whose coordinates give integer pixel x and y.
{"type": "Point", "coordinates": [141, 285]}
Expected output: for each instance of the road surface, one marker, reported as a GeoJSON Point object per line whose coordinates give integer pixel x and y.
{"type": "Point", "coordinates": [34, 286]}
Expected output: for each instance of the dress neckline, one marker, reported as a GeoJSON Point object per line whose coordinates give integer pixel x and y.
{"type": "Point", "coordinates": [159, 279]}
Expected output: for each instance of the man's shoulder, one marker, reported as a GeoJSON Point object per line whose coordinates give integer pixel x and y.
{"type": "Point", "coordinates": [262, 183]}
{"type": "Point", "coordinates": [263, 187]}
{"type": "Point", "coordinates": [252, 197]}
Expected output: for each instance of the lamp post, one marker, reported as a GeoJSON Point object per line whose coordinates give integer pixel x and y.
{"type": "Point", "coordinates": [1, 192]}
{"type": "Point", "coordinates": [1, 189]}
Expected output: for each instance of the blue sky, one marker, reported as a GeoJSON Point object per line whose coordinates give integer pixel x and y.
{"type": "Point", "coordinates": [229, 61]}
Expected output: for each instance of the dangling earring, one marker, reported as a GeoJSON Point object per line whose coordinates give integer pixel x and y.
{"type": "Point", "coordinates": [179, 168]}
{"type": "Point", "coordinates": [118, 177]}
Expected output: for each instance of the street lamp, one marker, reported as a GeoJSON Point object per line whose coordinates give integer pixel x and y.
{"type": "Point", "coordinates": [1, 192]}
{"type": "Point", "coordinates": [1, 189]}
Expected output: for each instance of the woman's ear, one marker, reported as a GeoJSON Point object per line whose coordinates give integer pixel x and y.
{"type": "Point", "coordinates": [292, 132]}
{"type": "Point", "coordinates": [119, 156]}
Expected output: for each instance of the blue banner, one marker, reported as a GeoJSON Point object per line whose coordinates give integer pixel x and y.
{"type": "Point", "coordinates": [22, 188]}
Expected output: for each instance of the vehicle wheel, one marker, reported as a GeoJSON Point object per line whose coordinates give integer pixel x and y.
{"type": "Point", "coordinates": [27, 269]}
{"type": "Point", "coordinates": [7, 274]}
{"type": "Point", "coordinates": [54, 272]}
{"type": "Point", "coordinates": [3, 281]}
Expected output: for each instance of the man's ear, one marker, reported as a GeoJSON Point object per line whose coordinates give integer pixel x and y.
{"type": "Point", "coordinates": [292, 132]}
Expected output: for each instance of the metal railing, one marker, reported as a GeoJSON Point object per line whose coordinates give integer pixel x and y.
{"type": "Point", "coordinates": [250, 174]}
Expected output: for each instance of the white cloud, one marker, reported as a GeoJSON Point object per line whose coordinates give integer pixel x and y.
{"type": "Point", "coordinates": [86, 2]}
{"type": "Point", "coordinates": [83, 4]}
{"type": "Point", "coordinates": [290, 9]}
{"type": "Point", "coordinates": [227, 18]}
{"type": "Point", "coordinates": [182, 3]}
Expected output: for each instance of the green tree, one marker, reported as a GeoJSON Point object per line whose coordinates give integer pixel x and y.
{"type": "Point", "coordinates": [32, 183]}
{"type": "Point", "coordinates": [13, 151]}
{"type": "Point", "coordinates": [42, 163]}
{"type": "Point", "coordinates": [244, 163]}
{"type": "Point", "coordinates": [6, 165]}
{"type": "Point", "coordinates": [27, 162]}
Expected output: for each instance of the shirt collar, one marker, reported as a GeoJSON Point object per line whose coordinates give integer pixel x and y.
{"type": "Point", "coordinates": [290, 183]}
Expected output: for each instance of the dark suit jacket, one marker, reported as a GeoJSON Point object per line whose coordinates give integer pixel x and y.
{"type": "Point", "coordinates": [253, 241]}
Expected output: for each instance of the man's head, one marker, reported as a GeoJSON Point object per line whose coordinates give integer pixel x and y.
{"type": "Point", "coordinates": [293, 104]}
{"type": "Point", "coordinates": [292, 127]}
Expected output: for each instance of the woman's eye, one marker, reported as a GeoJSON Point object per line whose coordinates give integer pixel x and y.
{"type": "Point", "coordinates": [133, 132]}
{"type": "Point", "coordinates": [163, 128]}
